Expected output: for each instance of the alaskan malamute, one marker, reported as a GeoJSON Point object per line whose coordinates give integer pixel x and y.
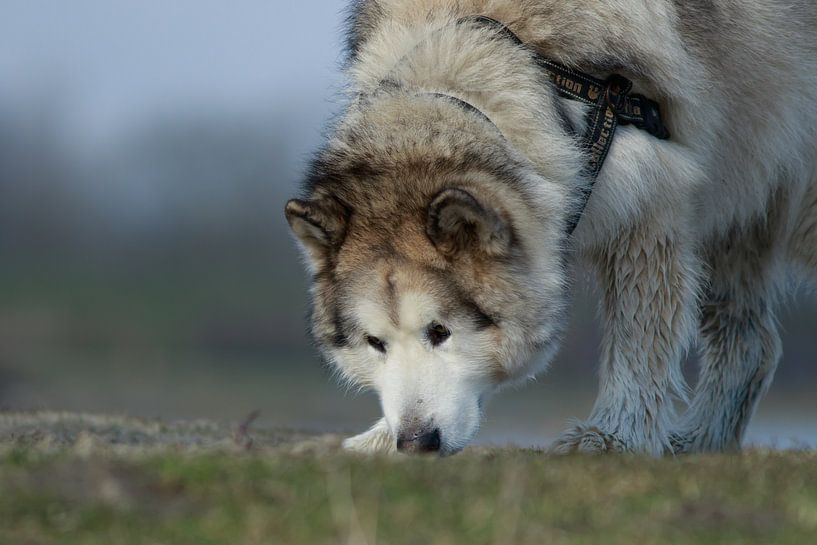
{"type": "Point", "coordinates": [492, 147]}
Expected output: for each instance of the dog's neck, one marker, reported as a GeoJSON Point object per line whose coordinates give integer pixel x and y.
{"type": "Point", "coordinates": [496, 76]}
{"type": "Point", "coordinates": [426, 53]}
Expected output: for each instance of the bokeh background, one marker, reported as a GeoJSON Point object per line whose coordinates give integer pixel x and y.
{"type": "Point", "coordinates": [147, 149]}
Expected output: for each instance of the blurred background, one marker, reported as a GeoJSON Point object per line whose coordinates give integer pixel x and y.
{"type": "Point", "coordinates": [147, 149]}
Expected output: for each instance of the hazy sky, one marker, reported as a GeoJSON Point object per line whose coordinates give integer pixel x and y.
{"type": "Point", "coordinates": [110, 63]}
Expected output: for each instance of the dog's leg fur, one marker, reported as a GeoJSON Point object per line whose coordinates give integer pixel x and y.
{"type": "Point", "coordinates": [803, 242]}
{"type": "Point", "coordinates": [650, 290]}
{"type": "Point", "coordinates": [740, 342]}
{"type": "Point", "coordinates": [378, 439]}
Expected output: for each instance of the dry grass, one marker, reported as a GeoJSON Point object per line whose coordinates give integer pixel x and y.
{"type": "Point", "coordinates": [88, 479]}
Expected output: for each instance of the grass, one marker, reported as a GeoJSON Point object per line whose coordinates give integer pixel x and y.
{"type": "Point", "coordinates": [72, 479]}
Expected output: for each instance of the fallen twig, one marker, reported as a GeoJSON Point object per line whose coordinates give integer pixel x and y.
{"type": "Point", "coordinates": [242, 436]}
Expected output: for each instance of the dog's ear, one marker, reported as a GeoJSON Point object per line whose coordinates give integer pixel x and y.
{"type": "Point", "coordinates": [458, 222]}
{"type": "Point", "coordinates": [319, 224]}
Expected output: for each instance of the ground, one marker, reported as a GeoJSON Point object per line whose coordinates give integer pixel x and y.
{"type": "Point", "coordinates": [81, 479]}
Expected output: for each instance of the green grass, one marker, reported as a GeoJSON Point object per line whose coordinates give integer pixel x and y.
{"type": "Point", "coordinates": [84, 480]}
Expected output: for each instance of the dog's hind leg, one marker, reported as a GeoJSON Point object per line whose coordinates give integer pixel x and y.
{"type": "Point", "coordinates": [740, 342]}
{"type": "Point", "coordinates": [803, 242]}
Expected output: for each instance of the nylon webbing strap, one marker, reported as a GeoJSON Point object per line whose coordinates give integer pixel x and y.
{"type": "Point", "coordinates": [635, 109]}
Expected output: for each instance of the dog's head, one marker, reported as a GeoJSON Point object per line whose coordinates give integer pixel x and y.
{"type": "Point", "coordinates": [437, 263]}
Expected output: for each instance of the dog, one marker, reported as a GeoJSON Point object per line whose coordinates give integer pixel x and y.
{"type": "Point", "coordinates": [452, 205]}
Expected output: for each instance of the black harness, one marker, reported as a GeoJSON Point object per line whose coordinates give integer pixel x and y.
{"type": "Point", "coordinates": [610, 105]}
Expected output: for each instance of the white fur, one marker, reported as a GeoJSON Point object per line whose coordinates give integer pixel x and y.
{"type": "Point", "coordinates": [440, 387]}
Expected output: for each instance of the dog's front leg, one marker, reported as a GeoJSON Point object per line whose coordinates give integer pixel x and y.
{"type": "Point", "coordinates": [649, 280]}
{"type": "Point", "coordinates": [378, 439]}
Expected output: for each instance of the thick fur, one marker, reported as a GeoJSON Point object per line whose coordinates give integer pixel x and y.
{"type": "Point", "coordinates": [695, 235]}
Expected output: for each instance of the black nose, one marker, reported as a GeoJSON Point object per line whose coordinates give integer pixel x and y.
{"type": "Point", "coordinates": [419, 441]}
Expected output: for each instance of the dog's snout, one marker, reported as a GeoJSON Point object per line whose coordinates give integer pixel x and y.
{"type": "Point", "coordinates": [418, 441]}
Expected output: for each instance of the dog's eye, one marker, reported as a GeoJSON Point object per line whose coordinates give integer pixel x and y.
{"type": "Point", "coordinates": [376, 343]}
{"type": "Point", "coordinates": [437, 333]}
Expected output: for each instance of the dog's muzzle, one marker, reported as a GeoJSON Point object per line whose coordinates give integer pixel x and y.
{"type": "Point", "coordinates": [418, 440]}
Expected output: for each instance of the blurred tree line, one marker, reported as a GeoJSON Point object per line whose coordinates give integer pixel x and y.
{"type": "Point", "coordinates": [166, 247]}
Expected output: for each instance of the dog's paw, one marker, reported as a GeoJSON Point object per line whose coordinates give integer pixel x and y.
{"type": "Point", "coordinates": [590, 439]}
{"type": "Point", "coordinates": [683, 442]}
{"type": "Point", "coordinates": [377, 440]}
{"type": "Point", "coordinates": [699, 439]}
